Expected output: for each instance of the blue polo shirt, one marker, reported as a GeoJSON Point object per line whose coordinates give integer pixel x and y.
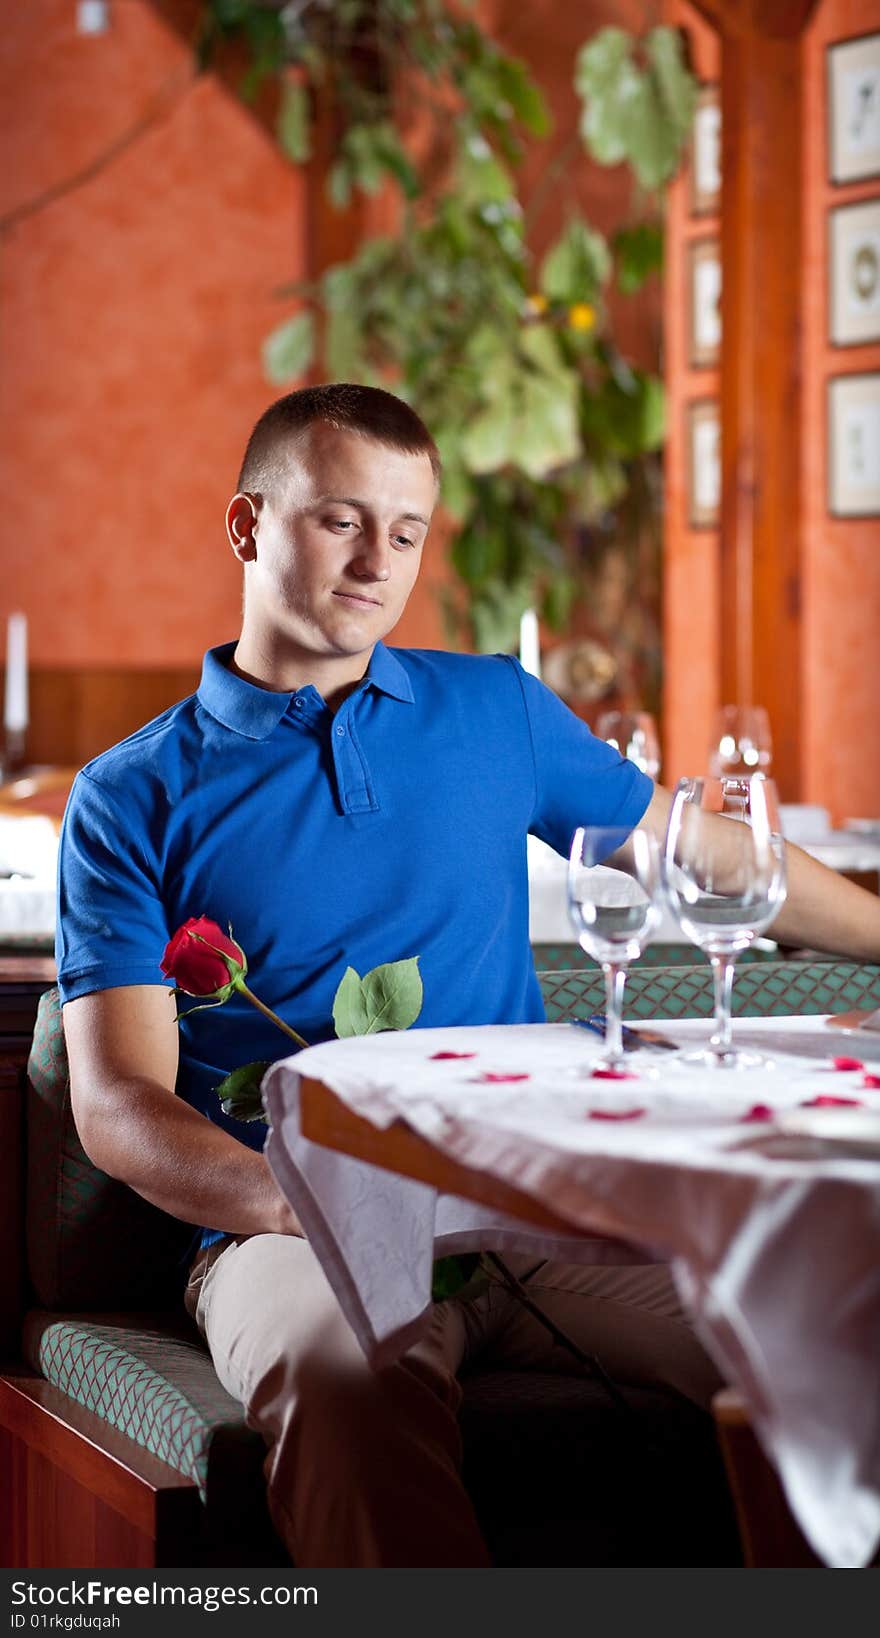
{"type": "Point", "coordinates": [396, 827]}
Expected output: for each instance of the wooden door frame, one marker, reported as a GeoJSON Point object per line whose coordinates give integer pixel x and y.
{"type": "Point", "coordinates": [761, 362]}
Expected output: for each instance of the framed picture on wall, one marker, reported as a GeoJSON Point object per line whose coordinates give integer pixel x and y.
{"type": "Point", "coordinates": [706, 153]}
{"type": "Point", "coordinates": [704, 286]}
{"type": "Point", "coordinates": [854, 446]}
{"type": "Point", "coordinates": [854, 108]}
{"type": "Point", "coordinates": [703, 446]}
{"type": "Point", "coordinates": [854, 273]}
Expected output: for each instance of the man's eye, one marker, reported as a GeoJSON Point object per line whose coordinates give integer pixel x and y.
{"type": "Point", "coordinates": [341, 523]}
{"type": "Point", "coordinates": [403, 540]}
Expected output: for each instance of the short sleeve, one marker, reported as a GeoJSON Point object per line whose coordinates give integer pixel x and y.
{"type": "Point", "coordinates": [579, 779]}
{"type": "Point", "coordinates": [111, 926]}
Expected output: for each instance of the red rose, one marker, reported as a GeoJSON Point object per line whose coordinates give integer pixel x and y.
{"type": "Point", "coordinates": [203, 960]}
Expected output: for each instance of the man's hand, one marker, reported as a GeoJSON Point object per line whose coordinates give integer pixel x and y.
{"type": "Point", "coordinates": [822, 910]}
{"type": "Point", "coordinates": [122, 1048]}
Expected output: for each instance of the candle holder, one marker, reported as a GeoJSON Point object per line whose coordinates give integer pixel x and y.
{"type": "Point", "coordinates": [13, 759]}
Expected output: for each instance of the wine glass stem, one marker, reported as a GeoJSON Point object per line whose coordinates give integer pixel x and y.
{"type": "Point", "coordinates": [615, 978]}
{"type": "Point", "coordinates": [722, 972]}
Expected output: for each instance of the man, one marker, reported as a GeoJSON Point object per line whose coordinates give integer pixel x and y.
{"type": "Point", "coordinates": [339, 802]}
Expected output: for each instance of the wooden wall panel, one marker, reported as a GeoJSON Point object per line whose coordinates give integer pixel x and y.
{"type": "Point", "coordinates": [760, 387]}
{"type": "Point", "coordinates": [76, 714]}
{"type": "Point", "coordinates": [841, 606]}
{"type": "Point", "coordinates": [691, 568]}
{"type": "Point", "coordinates": [798, 591]}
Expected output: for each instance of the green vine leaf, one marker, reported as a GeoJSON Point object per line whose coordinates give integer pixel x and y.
{"type": "Point", "coordinates": [289, 350]}
{"type": "Point", "coordinates": [577, 266]}
{"type": "Point", "coordinates": [294, 124]}
{"type": "Point", "coordinates": [639, 253]}
{"type": "Point", "coordinates": [640, 115]}
{"type": "Point", "coordinates": [607, 80]}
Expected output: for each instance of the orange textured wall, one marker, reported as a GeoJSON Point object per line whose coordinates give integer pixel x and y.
{"type": "Point", "coordinates": [148, 222]}
{"type": "Point", "coordinates": [691, 566]}
{"type": "Point", "coordinates": [133, 302]}
{"type": "Point", "coordinates": [841, 557]}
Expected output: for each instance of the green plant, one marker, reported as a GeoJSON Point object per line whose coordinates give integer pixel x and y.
{"type": "Point", "coordinates": [548, 433]}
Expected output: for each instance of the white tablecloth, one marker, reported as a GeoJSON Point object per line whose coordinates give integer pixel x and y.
{"type": "Point", "coordinates": [774, 1240]}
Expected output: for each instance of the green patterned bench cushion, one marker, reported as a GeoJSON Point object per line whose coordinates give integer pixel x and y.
{"type": "Point", "coordinates": [92, 1242]}
{"type": "Point", "coordinates": [149, 1376]}
{"type": "Point", "coordinates": [760, 989]}
{"type": "Point", "coordinates": [561, 957]}
{"type": "Point", "coordinates": [544, 1460]}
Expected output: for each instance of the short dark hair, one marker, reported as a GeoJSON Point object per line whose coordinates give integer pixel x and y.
{"type": "Point", "coordinates": [370, 411]}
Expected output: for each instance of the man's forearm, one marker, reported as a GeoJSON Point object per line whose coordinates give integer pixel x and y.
{"type": "Point", "coordinates": [826, 912]}
{"type": "Point", "coordinates": [183, 1163]}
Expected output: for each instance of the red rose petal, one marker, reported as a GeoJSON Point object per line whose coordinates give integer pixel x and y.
{"type": "Point", "coordinates": [827, 1102]}
{"type": "Point", "coordinates": [847, 1063]}
{"type": "Point", "coordinates": [758, 1111]}
{"type": "Point", "coordinates": [873, 1081]}
{"type": "Point", "coordinates": [616, 1114]}
{"type": "Point", "coordinates": [613, 1075]}
{"type": "Point", "coordinates": [488, 1076]}
{"type": "Point", "coordinates": [453, 1055]}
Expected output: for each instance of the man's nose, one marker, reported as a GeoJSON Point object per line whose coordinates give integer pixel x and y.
{"type": "Point", "coordinates": [373, 558]}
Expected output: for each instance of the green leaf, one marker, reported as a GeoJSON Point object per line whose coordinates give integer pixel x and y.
{"type": "Point", "coordinates": [452, 1274]}
{"type": "Point", "coordinates": [393, 995]}
{"type": "Point", "coordinates": [240, 1094]}
{"type": "Point", "coordinates": [652, 142]}
{"type": "Point", "coordinates": [349, 1006]}
{"type": "Point", "coordinates": [675, 85]}
{"type": "Point", "coordinates": [639, 253]}
{"type": "Point", "coordinates": [607, 80]}
{"type": "Point", "coordinates": [289, 350]}
{"type": "Point", "coordinates": [546, 431]}
{"type": "Point", "coordinates": [339, 184]}
{"type": "Point", "coordinates": [643, 116]}
{"type": "Point", "coordinates": [387, 997]}
{"type": "Point", "coordinates": [362, 150]}
{"type": "Point", "coordinates": [577, 266]}
{"type": "Point", "coordinates": [558, 599]}
{"type": "Point", "coordinates": [627, 417]}
{"type": "Point", "coordinates": [496, 613]}
{"type": "Point", "coordinates": [524, 95]}
{"type": "Point", "coordinates": [293, 123]}
{"type": "Point", "coordinates": [478, 550]}
{"type": "Point", "coordinates": [487, 442]}
{"type": "Point", "coordinates": [456, 489]}
{"type": "Point", "coordinates": [481, 179]}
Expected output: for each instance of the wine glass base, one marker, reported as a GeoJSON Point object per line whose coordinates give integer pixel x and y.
{"type": "Point", "coordinates": [730, 1058]}
{"type": "Point", "coordinates": [611, 1070]}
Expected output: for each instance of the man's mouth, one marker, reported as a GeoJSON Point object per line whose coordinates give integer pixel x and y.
{"type": "Point", "coordinates": [358, 600]}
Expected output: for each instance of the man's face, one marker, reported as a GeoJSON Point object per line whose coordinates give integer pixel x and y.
{"type": "Point", "coordinates": [337, 545]}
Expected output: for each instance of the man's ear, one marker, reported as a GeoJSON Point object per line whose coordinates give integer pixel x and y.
{"type": "Point", "coordinates": [241, 525]}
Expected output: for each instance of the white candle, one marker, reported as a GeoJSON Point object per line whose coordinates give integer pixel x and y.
{"type": "Point", "coordinates": [529, 643]}
{"type": "Point", "coordinates": [15, 704]}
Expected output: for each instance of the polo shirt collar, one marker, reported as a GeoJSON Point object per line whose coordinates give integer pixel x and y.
{"type": "Point", "coordinates": [386, 673]}
{"type": "Point", "coordinates": [255, 712]}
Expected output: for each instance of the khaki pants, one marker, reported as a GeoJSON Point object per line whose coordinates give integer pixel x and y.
{"type": "Point", "coordinates": [363, 1465]}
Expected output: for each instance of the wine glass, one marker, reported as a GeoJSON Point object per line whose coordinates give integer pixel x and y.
{"type": "Point", "coordinates": [741, 741]}
{"type": "Point", "coordinates": [614, 910]}
{"type": "Point", "coordinates": [634, 735]}
{"type": "Point", "coordinates": [724, 878]}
